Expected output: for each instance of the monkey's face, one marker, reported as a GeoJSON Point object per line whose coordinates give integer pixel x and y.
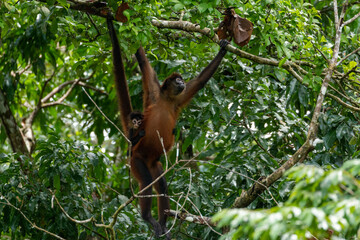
{"type": "Point", "coordinates": [179, 85]}
{"type": "Point", "coordinates": [173, 85]}
{"type": "Point", "coordinates": [136, 123]}
{"type": "Point", "coordinates": [176, 85]}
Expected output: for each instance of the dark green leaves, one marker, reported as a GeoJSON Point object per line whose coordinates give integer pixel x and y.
{"type": "Point", "coordinates": [247, 121]}
{"type": "Point", "coordinates": [317, 203]}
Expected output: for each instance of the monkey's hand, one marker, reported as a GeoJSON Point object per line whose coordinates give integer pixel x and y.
{"type": "Point", "coordinates": [223, 43]}
{"type": "Point", "coordinates": [142, 133]}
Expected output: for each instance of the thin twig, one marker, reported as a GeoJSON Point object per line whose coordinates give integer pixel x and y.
{"type": "Point", "coordinates": [353, 70]}
{"type": "Point", "coordinates": [351, 19]}
{"type": "Point", "coordinates": [212, 140]}
{"type": "Point", "coordinates": [240, 174]}
{"type": "Point", "coordinates": [164, 150]}
{"type": "Point", "coordinates": [95, 232]}
{"type": "Point", "coordinates": [202, 217]}
{"type": "Point", "coordinates": [255, 139]}
{"type": "Point", "coordinates": [68, 92]}
{"type": "Point", "coordinates": [343, 103]}
{"type": "Point", "coordinates": [97, 30]}
{"type": "Point", "coordinates": [44, 87]}
{"type": "Point", "coordinates": [322, 54]}
{"type": "Point", "coordinates": [28, 220]}
{"type": "Point", "coordinates": [106, 116]}
{"type": "Point", "coordinates": [67, 215]}
{"type": "Point", "coordinates": [61, 86]}
{"type": "Point", "coordinates": [347, 56]}
{"type": "Point", "coordinates": [344, 96]}
{"type": "Point", "coordinates": [181, 206]}
{"type": "Point", "coordinates": [25, 69]}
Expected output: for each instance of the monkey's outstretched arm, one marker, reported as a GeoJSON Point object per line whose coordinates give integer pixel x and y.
{"type": "Point", "coordinates": [151, 86]}
{"type": "Point", "coordinates": [194, 85]}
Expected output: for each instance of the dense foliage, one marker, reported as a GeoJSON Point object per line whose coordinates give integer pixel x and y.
{"type": "Point", "coordinates": [321, 203]}
{"type": "Point", "coordinates": [247, 122]}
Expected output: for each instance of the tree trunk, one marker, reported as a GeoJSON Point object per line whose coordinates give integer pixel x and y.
{"type": "Point", "coordinates": [12, 129]}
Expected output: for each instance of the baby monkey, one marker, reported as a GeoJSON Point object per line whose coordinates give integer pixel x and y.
{"type": "Point", "coordinates": [135, 120]}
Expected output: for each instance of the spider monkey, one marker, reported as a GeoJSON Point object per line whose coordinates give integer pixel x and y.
{"type": "Point", "coordinates": [135, 134]}
{"type": "Point", "coordinates": [162, 105]}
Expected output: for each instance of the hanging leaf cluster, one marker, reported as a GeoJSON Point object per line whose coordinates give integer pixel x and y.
{"type": "Point", "coordinates": [120, 12]}
{"type": "Point", "coordinates": [235, 27]}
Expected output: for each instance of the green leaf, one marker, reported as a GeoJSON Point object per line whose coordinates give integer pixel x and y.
{"type": "Point", "coordinates": [280, 74]}
{"type": "Point", "coordinates": [330, 139]}
{"type": "Point", "coordinates": [45, 10]}
{"type": "Point", "coordinates": [341, 131]}
{"type": "Point", "coordinates": [64, 3]}
{"type": "Point", "coordinates": [323, 39]}
{"type": "Point", "coordinates": [201, 141]}
{"type": "Point", "coordinates": [352, 64]}
{"type": "Point", "coordinates": [303, 95]}
{"type": "Point", "coordinates": [178, 7]}
{"type": "Point", "coordinates": [56, 182]}
{"type": "Point", "coordinates": [203, 7]}
{"type": "Point", "coordinates": [287, 51]}
{"type": "Point", "coordinates": [282, 62]}
{"type": "Point", "coordinates": [308, 45]}
{"type": "Point", "coordinates": [353, 140]}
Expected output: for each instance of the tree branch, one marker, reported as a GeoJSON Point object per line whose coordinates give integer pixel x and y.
{"type": "Point", "coordinates": [247, 197]}
{"type": "Point", "coordinates": [28, 122]}
{"type": "Point", "coordinates": [27, 219]}
{"type": "Point", "coordinates": [356, 109]}
{"type": "Point", "coordinates": [344, 96]}
{"type": "Point", "coordinates": [353, 52]}
{"type": "Point", "coordinates": [351, 19]}
{"type": "Point", "coordinates": [190, 218]}
{"type": "Point", "coordinates": [67, 215]}
{"type": "Point", "coordinates": [63, 85]}
{"type": "Point", "coordinates": [288, 65]}
{"type": "Point", "coordinates": [97, 8]}
{"type": "Point", "coordinates": [190, 27]}
{"type": "Point", "coordinates": [12, 129]}
{"type": "Point", "coordinates": [250, 195]}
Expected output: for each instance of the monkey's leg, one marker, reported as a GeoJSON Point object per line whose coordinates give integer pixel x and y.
{"type": "Point", "coordinates": [163, 201]}
{"type": "Point", "coordinates": [142, 174]}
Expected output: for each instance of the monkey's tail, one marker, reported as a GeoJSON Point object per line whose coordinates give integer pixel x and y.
{"type": "Point", "coordinates": [121, 86]}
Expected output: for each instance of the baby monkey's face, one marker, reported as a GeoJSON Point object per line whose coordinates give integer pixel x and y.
{"type": "Point", "coordinates": [136, 123]}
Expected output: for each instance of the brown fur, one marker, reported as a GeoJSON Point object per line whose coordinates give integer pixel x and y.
{"type": "Point", "coordinates": [162, 105]}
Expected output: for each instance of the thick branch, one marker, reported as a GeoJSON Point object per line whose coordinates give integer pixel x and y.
{"type": "Point", "coordinates": [27, 123]}
{"type": "Point", "coordinates": [250, 195]}
{"type": "Point", "coordinates": [12, 129]}
{"type": "Point", "coordinates": [344, 104]}
{"type": "Point", "coordinates": [190, 218]}
{"type": "Point", "coordinates": [97, 8]}
{"type": "Point", "coordinates": [190, 27]}
{"type": "Point", "coordinates": [288, 65]}
{"type": "Point", "coordinates": [247, 197]}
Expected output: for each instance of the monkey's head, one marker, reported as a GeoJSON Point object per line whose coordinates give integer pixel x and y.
{"type": "Point", "coordinates": [173, 85]}
{"type": "Point", "coordinates": [135, 119]}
